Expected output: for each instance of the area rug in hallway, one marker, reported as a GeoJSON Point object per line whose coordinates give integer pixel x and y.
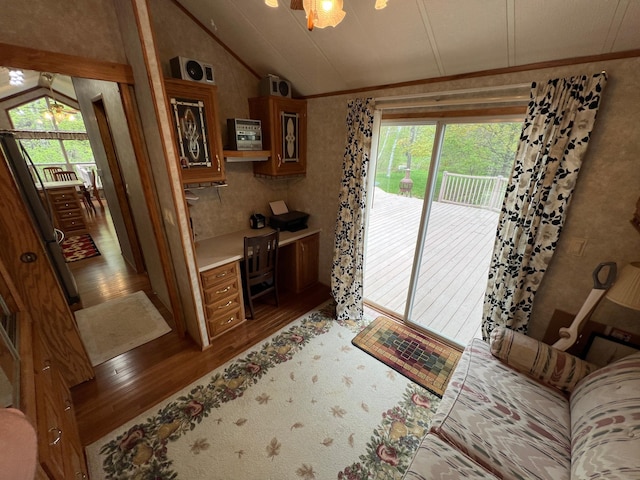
{"type": "Point", "coordinates": [420, 357]}
{"type": "Point", "coordinates": [303, 404]}
{"type": "Point", "coordinates": [119, 325]}
{"type": "Point", "coordinates": [79, 247]}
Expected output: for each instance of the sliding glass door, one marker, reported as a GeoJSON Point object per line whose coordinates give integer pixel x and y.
{"type": "Point", "coordinates": [432, 219]}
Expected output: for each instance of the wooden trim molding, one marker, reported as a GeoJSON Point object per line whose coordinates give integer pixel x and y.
{"type": "Point", "coordinates": [72, 65]}
{"type": "Point", "coordinates": [475, 112]}
{"type": "Point", "coordinates": [137, 140]}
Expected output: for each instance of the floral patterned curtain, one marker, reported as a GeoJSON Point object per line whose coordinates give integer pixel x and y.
{"type": "Point", "coordinates": [348, 254]}
{"type": "Point", "coordinates": [554, 139]}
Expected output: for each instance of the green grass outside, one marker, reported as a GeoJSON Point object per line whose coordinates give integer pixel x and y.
{"type": "Point", "coordinates": [392, 184]}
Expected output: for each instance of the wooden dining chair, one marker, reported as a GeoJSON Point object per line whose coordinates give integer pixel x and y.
{"type": "Point", "coordinates": [49, 173]}
{"type": "Point", "coordinates": [64, 175]}
{"type": "Point", "coordinates": [260, 272]}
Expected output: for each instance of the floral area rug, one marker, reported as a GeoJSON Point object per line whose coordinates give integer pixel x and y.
{"type": "Point", "coordinates": [305, 404]}
{"type": "Point", "coordinates": [79, 247]}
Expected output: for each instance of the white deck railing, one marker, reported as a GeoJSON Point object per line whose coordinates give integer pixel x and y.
{"type": "Point", "coordinates": [483, 192]}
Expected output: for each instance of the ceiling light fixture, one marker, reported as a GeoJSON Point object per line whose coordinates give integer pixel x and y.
{"type": "Point", "coordinates": [56, 110]}
{"type": "Point", "coordinates": [16, 77]}
{"type": "Point", "coordinates": [322, 13]}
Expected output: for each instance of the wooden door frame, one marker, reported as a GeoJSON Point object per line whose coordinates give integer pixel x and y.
{"type": "Point", "coordinates": [119, 184]}
{"type": "Point", "coordinates": [122, 74]}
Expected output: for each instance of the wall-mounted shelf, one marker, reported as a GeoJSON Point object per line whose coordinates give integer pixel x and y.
{"type": "Point", "coordinates": [246, 155]}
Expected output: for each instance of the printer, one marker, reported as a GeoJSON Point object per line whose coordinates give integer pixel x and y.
{"type": "Point", "coordinates": [291, 221]}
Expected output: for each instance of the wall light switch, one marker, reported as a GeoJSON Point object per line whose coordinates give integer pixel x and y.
{"type": "Point", "coordinates": [576, 246]}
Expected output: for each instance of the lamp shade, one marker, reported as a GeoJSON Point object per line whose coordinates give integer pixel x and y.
{"type": "Point", "coordinates": [323, 13]}
{"type": "Point", "coordinates": [626, 290]}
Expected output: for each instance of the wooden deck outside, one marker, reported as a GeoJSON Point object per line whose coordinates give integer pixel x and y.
{"type": "Point", "coordinates": [455, 263]}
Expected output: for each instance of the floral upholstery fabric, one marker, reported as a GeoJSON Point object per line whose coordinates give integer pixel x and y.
{"type": "Point", "coordinates": [539, 360]}
{"type": "Point", "coordinates": [605, 421]}
{"type": "Point", "coordinates": [509, 423]}
{"type": "Point", "coordinates": [437, 459]}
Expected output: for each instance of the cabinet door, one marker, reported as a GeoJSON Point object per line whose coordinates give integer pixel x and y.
{"type": "Point", "coordinates": [194, 112]}
{"type": "Point", "coordinates": [284, 128]}
{"type": "Point", "coordinates": [308, 251]}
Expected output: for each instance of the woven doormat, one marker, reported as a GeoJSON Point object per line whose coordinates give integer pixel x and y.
{"type": "Point", "coordinates": [79, 247]}
{"type": "Point", "coordinates": [423, 359]}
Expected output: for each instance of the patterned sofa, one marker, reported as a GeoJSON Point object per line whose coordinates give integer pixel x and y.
{"type": "Point", "coordinates": [519, 409]}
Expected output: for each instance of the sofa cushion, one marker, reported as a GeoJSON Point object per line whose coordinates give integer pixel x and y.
{"type": "Point", "coordinates": [437, 459]}
{"type": "Point", "coordinates": [528, 355]}
{"type": "Point", "coordinates": [507, 422]}
{"type": "Point", "coordinates": [605, 418]}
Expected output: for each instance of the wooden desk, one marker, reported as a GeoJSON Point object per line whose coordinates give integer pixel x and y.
{"type": "Point", "coordinates": [216, 251]}
{"type": "Point", "coordinates": [66, 206]}
{"type": "Point", "coordinates": [218, 260]}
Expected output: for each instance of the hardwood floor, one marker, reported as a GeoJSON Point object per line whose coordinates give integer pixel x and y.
{"type": "Point", "coordinates": [133, 382]}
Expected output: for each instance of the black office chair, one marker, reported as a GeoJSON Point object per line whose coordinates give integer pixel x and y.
{"type": "Point", "coordinates": [260, 272]}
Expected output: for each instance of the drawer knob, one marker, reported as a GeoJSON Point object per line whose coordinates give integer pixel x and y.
{"type": "Point", "coordinates": [225, 305]}
{"type": "Point", "coordinates": [229, 321]}
{"type": "Point", "coordinates": [220, 275]}
{"type": "Point", "coordinates": [58, 433]}
{"type": "Point", "coordinates": [224, 290]}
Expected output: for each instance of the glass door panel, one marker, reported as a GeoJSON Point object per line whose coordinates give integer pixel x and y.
{"type": "Point", "coordinates": [432, 271]}
{"type": "Point", "coordinates": [402, 168]}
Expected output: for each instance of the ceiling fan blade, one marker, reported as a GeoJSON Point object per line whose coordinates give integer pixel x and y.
{"type": "Point", "coordinates": [296, 5]}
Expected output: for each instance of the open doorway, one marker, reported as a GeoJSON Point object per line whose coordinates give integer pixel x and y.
{"type": "Point", "coordinates": [87, 142]}
{"type": "Point", "coordinates": [437, 194]}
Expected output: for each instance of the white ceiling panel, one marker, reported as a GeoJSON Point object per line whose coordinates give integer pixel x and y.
{"type": "Point", "coordinates": [472, 38]}
{"type": "Point", "coordinates": [416, 39]}
{"type": "Point", "coordinates": [627, 37]}
{"type": "Point", "coordinates": [552, 29]}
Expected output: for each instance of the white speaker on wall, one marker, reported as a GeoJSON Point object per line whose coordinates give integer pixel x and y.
{"type": "Point", "coordinates": [190, 69]}
{"type": "Point", "coordinates": [274, 85]}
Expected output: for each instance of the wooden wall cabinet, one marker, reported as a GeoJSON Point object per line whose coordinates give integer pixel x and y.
{"type": "Point", "coordinates": [298, 264]}
{"type": "Point", "coordinates": [59, 448]}
{"type": "Point", "coordinates": [223, 300]}
{"type": "Point", "coordinates": [194, 113]}
{"type": "Point", "coordinates": [284, 134]}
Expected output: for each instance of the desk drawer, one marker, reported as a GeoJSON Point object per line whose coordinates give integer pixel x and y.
{"type": "Point", "coordinates": [218, 275]}
{"type": "Point", "coordinates": [222, 323]}
{"type": "Point", "coordinates": [223, 307]}
{"type": "Point", "coordinates": [217, 292]}
{"type": "Point", "coordinates": [72, 224]}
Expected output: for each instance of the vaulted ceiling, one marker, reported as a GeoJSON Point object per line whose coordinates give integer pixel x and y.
{"type": "Point", "coordinates": [415, 39]}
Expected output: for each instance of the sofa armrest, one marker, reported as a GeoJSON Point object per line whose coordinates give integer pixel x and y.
{"type": "Point", "coordinates": [539, 360]}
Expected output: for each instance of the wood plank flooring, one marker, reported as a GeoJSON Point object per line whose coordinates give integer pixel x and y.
{"type": "Point", "coordinates": [454, 269]}
{"type": "Point", "coordinates": [133, 382]}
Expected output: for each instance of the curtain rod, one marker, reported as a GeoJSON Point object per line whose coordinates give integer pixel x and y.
{"type": "Point", "coordinates": [453, 92]}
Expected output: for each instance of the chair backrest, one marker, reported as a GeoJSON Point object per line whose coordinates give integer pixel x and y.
{"type": "Point", "coordinates": [261, 257]}
{"type": "Point", "coordinates": [49, 171]}
{"type": "Point", "coordinates": [65, 175]}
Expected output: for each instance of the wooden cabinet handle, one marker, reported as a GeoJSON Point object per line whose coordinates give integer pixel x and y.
{"type": "Point", "coordinates": [58, 433]}
{"type": "Point", "coordinates": [225, 305]}
{"type": "Point", "coordinates": [224, 290]}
